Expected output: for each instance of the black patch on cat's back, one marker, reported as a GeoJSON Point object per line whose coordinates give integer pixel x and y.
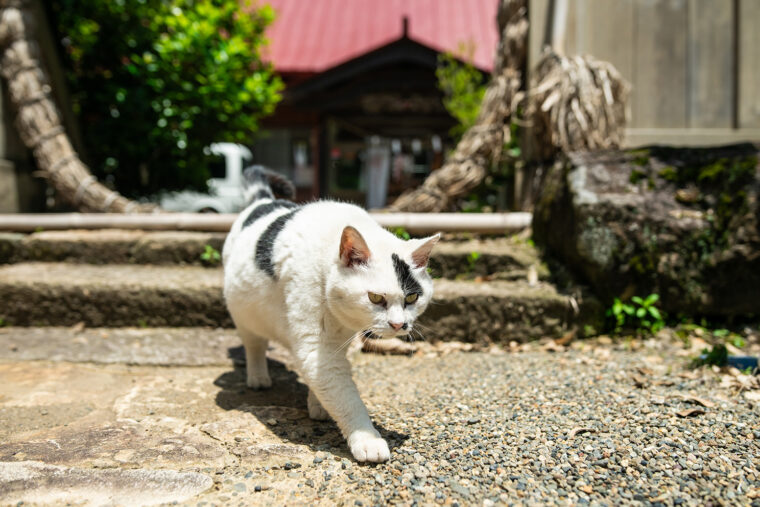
{"type": "Point", "coordinates": [265, 209]}
{"type": "Point", "coordinates": [408, 283]}
{"type": "Point", "coordinates": [265, 244]}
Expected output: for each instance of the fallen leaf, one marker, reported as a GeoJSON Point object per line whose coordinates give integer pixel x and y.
{"type": "Point", "coordinates": [586, 488]}
{"type": "Point", "coordinates": [567, 337]}
{"type": "Point", "coordinates": [77, 328]}
{"type": "Point", "coordinates": [552, 346]}
{"type": "Point", "coordinates": [700, 401]}
{"type": "Point", "coordinates": [690, 412]}
{"type": "Point", "coordinates": [645, 371]}
{"type": "Point", "coordinates": [689, 375]}
{"type": "Point", "coordinates": [389, 346]}
{"type": "Point", "coordinates": [639, 381]}
{"type": "Point", "coordinates": [578, 431]}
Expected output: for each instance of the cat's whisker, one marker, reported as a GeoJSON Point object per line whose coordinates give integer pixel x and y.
{"type": "Point", "coordinates": [421, 336]}
{"type": "Point", "coordinates": [345, 344]}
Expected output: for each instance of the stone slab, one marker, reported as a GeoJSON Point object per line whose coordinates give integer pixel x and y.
{"type": "Point", "coordinates": [466, 428]}
{"type": "Point", "coordinates": [38, 483]}
{"type": "Point", "coordinates": [185, 346]}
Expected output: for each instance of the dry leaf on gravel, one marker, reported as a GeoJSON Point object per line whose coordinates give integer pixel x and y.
{"type": "Point", "coordinates": [639, 381]}
{"type": "Point", "coordinates": [578, 431]}
{"type": "Point", "coordinates": [567, 337]}
{"type": "Point", "coordinates": [690, 412]}
{"type": "Point", "coordinates": [645, 371]}
{"type": "Point", "coordinates": [552, 346]}
{"type": "Point", "coordinates": [586, 489]}
{"type": "Point", "coordinates": [389, 346]}
{"type": "Point", "coordinates": [700, 401]}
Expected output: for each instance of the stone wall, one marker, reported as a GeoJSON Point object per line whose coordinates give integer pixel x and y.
{"type": "Point", "coordinates": [683, 223]}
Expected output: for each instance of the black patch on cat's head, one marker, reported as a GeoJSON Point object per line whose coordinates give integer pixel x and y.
{"type": "Point", "coordinates": [405, 279]}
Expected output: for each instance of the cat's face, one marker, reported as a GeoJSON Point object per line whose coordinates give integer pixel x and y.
{"type": "Point", "coordinates": [383, 290]}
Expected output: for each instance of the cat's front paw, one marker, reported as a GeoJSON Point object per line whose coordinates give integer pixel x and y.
{"type": "Point", "coordinates": [368, 447]}
{"type": "Point", "coordinates": [260, 381]}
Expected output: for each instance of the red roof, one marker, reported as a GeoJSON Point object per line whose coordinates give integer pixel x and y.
{"type": "Point", "coordinates": [315, 35]}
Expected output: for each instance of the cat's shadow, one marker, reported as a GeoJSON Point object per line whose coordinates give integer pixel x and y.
{"type": "Point", "coordinates": [283, 407]}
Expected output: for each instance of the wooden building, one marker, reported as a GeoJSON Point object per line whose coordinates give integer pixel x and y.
{"type": "Point", "coordinates": [362, 109]}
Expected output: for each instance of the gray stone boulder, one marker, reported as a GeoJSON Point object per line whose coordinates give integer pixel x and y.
{"type": "Point", "coordinates": [680, 222]}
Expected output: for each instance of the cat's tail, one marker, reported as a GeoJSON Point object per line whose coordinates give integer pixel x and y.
{"type": "Point", "coordinates": [263, 183]}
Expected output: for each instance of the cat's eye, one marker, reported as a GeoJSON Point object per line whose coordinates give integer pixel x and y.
{"type": "Point", "coordinates": [411, 298]}
{"type": "Point", "coordinates": [376, 298]}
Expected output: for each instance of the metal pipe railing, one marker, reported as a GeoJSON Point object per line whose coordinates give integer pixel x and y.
{"type": "Point", "coordinates": [416, 223]}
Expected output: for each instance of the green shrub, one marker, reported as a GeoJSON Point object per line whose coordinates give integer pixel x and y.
{"type": "Point", "coordinates": [153, 82]}
{"type": "Point", "coordinates": [463, 87]}
{"type": "Point", "coordinates": [210, 256]}
{"type": "Point", "coordinates": [640, 315]}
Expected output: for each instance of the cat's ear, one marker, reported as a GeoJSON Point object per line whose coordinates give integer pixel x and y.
{"type": "Point", "coordinates": [353, 248]}
{"type": "Point", "coordinates": [421, 254]}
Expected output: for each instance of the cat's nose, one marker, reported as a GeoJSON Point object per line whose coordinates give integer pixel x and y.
{"type": "Point", "coordinates": [397, 325]}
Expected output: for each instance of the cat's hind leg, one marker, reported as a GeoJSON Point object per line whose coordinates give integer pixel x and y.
{"type": "Point", "coordinates": [257, 371]}
{"type": "Point", "coordinates": [316, 410]}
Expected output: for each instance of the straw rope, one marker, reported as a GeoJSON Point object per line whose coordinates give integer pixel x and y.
{"type": "Point", "coordinates": [39, 122]}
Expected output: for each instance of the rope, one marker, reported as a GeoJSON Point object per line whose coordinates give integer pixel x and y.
{"type": "Point", "coordinates": [37, 141]}
{"type": "Point", "coordinates": [109, 200]}
{"type": "Point", "coordinates": [86, 182]}
{"type": "Point", "coordinates": [61, 162]}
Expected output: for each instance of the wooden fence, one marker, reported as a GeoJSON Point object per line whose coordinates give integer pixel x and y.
{"type": "Point", "coordinates": [694, 64]}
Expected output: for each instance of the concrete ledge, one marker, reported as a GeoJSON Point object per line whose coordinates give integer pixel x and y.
{"type": "Point", "coordinates": [49, 294]}
{"type": "Point", "coordinates": [450, 259]}
{"type": "Point", "coordinates": [109, 246]}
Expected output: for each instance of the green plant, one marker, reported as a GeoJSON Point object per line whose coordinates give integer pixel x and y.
{"type": "Point", "coordinates": [2, 322]}
{"type": "Point", "coordinates": [401, 233]}
{"type": "Point", "coordinates": [641, 315]}
{"type": "Point", "coordinates": [463, 87]}
{"type": "Point", "coordinates": [210, 255]}
{"type": "Point", "coordinates": [155, 82]}
{"type": "Point", "coordinates": [715, 356]}
{"type": "Point", "coordinates": [472, 259]}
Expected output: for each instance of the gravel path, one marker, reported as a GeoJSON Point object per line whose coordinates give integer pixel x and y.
{"type": "Point", "coordinates": [597, 424]}
{"type": "Point", "coordinates": [537, 427]}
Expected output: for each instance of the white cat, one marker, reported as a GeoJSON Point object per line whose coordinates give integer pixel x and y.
{"type": "Point", "coordinates": [313, 277]}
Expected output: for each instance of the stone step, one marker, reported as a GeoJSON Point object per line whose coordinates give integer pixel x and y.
{"type": "Point", "coordinates": [109, 246]}
{"type": "Point", "coordinates": [452, 258]}
{"type": "Point", "coordinates": [63, 294]}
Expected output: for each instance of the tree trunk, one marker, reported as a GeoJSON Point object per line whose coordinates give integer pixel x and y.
{"type": "Point", "coordinates": [483, 143]}
{"type": "Point", "coordinates": [39, 122]}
